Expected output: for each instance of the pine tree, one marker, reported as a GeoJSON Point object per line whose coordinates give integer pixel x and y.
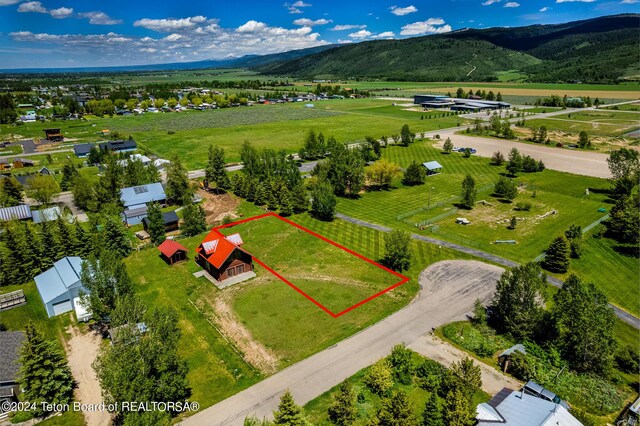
{"type": "Point", "coordinates": [44, 373]}
{"type": "Point", "coordinates": [514, 165]}
{"type": "Point", "coordinates": [497, 159]}
{"type": "Point", "coordinates": [414, 175]}
{"type": "Point", "coordinates": [69, 174]}
{"type": "Point", "coordinates": [15, 263]}
{"type": "Point", "coordinates": [402, 364]}
{"type": "Point", "coordinates": [84, 241]}
{"type": "Point", "coordinates": [324, 201]}
{"type": "Point", "coordinates": [155, 223]}
{"type": "Point", "coordinates": [215, 170]}
{"type": "Point", "coordinates": [178, 188]}
{"type": "Point", "coordinates": [300, 198]}
{"type": "Point", "coordinates": [115, 239]}
{"type": "Point", "coordinates": [66, 236]}
{"type": "Point", "coordinates": [194, 220]}
{"type": "Point", "coordinates": [432, 414]}
{"type": "Point", "coordinates": [33, 254]}
{"type": "Point", "coordinates": [286, 202]}
{"type": "Point", "coordinates": [448, 146]}
{"type": "Point", "coordinates": [343, 411]}
{"type": "Point", "coordinates": [557, 256]}
{"type": "Point", "coordinates": [396, 410]}
{"type": "Point", "coordinates": [468, 194]}
{"type": "Point", "coordinates": [50, 243]}
{"type": "Point", "coordinates": [10, 192]}
{"type": "Point", "coordinates": [406, 136]}
{"type": "Point", "coordinates": [457, 410]}
{"type": "Point", "coordinates": [289, 413]}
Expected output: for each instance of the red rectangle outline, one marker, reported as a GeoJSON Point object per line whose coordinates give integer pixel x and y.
{"type": "Point", "coordinates": [403, 279]}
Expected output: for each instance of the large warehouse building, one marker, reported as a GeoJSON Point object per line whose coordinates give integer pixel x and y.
{"type": "Point", "coordinates": [457, 104]}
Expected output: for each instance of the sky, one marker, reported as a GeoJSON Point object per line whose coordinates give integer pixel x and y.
{"type": "Point", "coordinates": [79, 33]}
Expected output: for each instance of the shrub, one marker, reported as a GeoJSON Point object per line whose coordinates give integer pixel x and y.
{"type": "Point", "coordinates": [523, 206]}
{"type": "Point", "coordinates": [379, 377]}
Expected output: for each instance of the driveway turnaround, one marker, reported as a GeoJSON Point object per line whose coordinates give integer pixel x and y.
{"type": "Point", "coordinates": [448, 291]}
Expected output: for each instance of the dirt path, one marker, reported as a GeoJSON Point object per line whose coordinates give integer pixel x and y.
{"type": "Point", "coordinates": [82, 350]}
{"type": "Point", "coordinates": [217, 206]}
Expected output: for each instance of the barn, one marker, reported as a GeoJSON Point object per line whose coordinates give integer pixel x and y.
{"type": "Point", "coordinates": [222, 256]}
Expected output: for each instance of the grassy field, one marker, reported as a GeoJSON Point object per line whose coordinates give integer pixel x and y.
{"type": "Point", "coordinates": [595, 123]}
{"type": "Point", "coordinates": [332, 276]}
{"type": "Point", "coordinates": [626, 107]}
{"type": "Point", "coordinates": [316, 409]}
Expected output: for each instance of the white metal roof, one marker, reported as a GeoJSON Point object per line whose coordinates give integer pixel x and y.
{"type": "Point", "coordinates": [432, 165]}
{"type": "Point", "coordinates": [235, 239]}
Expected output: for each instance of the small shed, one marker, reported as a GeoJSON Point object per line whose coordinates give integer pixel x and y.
{"type": "Point", "coordinates": [433, 167]}
{"type": "Point", "coordinates": [170, 219]}
{"type": "Point", "coordinates": [504, 357]}
{"type": "Point", "coordinates": [172, 251]}
{"type": "Point", "coordinates": [53, 135]}
{"type": "Point", "coordinates": [46, 215]}
{"type": "Point", "coordinates": [19, 212]}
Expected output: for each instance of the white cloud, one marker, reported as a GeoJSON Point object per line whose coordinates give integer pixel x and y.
{"type": "Point", "coordinates": [99, 18]}
{"type": "Point", "coordinates": [32, 6]}
{"type": "Point", "coordinates": [629, 2]}
{"type": "Point", "coordinates": [300, 3]}
{"type": "Point", "coordinates": [347, 27]}
{"type": "Point", "coordinates": [148, 50]}
{"type": "Point", "coordinates": [511, 4]}
{"type": "Point", "coordinates": [430, 26]}
{"type": "Point", "coordinates": [295, 7]}
{"type": "Point", "coordinates": [37, 7]}
{"type": "Point", "coordinates": [173, 37]}
{"type": "Point", "coordinates": [401, 11]}
{"type": "Point", "coordinates": [573, 1]}
{"type": "Point", "coordinates": [386, 34]}
{"type": "Point", "coordinates": [294, 10]}
{"type": "Point", "coordinates": [168, 25]}
{"type": "Point", "coordinates": [9, 2]}
{"type": "Point", "coordinates": [490, 2]}
{"type": "Point", "coordinates": [545, 9]}
{"type": "Point", "coordinates": [310, 23]}
{"type": "Point", "coordinates": [361, 34]}
{"type": "Point", "coordinates": [61, 13]}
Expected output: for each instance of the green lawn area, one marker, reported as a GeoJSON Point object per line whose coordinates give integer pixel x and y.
{"type": "Point", "coordinates": [435, 201]}
{"type": "Point", "coordinates": [538, 110]}
{"type": "Point", "coordinates": [594, 125]}
{"type": "Point", "coordinates": [332, 276]}
{"type": "Point", "coordinates": [316, 409]}
{"type": "Point", "coordinates": [614, 272]}
{"type": "Point", "coordinates": [626, 107]}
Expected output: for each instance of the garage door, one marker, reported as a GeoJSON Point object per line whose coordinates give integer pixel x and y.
{"type": "Point", "coordinates": [62, 307]}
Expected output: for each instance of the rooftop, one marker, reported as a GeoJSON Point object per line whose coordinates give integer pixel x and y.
{"type": "Point", "coordinates": [10, 344]}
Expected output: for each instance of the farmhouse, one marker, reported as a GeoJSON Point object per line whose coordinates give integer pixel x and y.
{"type": "Point", "coordinates": [222, 256]}
{"type": "Point", "coordinates": [433, 167]}
{"type": "Point", "coordinates": [10, 344]}
{"type": "Point", "coordinates": [172, 252]}
{"type": "Point", "coordinates": [60, 285]}
{"type": "Point", "coordinates": [512, 408]}
{"type": "Point", "coordinates": [170, 219]}
{"type": "Point", "coordinates": [19, 212]}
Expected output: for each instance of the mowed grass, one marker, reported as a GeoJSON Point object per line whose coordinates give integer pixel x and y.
{"type": "Point", "coordinates": [436, 200]}
{"type": "Point", "coordinates": [331, 275]}
{"type": "Point", "coordinates": [598, 125]}
{"type": "Point", "coordinates": [608, 265]}
{"type": "Point", "coordinates": [216, 371]}
{"type": "Point", "coordinates": [626, 107]}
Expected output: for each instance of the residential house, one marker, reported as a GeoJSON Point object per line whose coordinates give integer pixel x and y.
{"type": "Point", "coordinates": [119, 146]}
{"type": "Point", "coordinates": [516, 408]}
{"type": "Point", "coordinates": [135, 199]}
{"type": "Point", "coordinates": [82, 149]}
{"type": "Point", "coordinates": [170, 219]}
{"type": "Point", "coordinates": [222, 256]}
{"type": "Point", "coordinates": [135, 157]}
{"type": "Point", "coordinates": [60, 285]}
{"type": "Point", "coordinates": [10, 345]}
{"type": "Point", "coordinates": [172, 251]}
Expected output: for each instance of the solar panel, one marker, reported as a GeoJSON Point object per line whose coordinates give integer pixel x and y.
{"type": "Point", "coordinates": [140, 189]}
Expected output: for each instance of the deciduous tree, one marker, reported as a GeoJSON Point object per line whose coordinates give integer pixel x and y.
{"type": "Point", "coordinates": [178, 188]}
{"type": "Point", "coordinates": [397, 246]}
{"type": "Point", "coordinates": [43, 188]}
{"type": "Point", "coordinates": [379, 378]}
{"type": "Point", "coordinates": [324, 201]}
{"type": "Point", "coordinates": [194, 220]}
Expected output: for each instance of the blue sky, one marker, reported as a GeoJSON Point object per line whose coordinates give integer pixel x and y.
{"type": "Point", "coordinates": [73, 33]}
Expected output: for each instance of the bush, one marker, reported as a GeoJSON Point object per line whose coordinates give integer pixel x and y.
{"type": "Point", "coordinates": [628, 359]}
{"type": "Point", "coordinates": [523, 206]}
{"type": "Point", "coordinates": [379, 377]}
{"type": "Point", "coordinates": [481, 340]}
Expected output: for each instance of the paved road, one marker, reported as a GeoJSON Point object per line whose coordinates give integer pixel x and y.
{"type": "Point", "coordinates": [448, 292]}
{"type": "Point", "coordinates": [623, 315]}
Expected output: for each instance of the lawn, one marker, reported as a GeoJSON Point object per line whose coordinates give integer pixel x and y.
{"type": "Point", "coordinates": [435, 201]}
{"type": "Point", "coordinates": [329, 274]}
{"type": "Point", "coordinates": [626, 107]}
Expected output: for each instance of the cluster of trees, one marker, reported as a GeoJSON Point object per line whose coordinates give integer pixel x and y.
{"type": "Point", "coordinates": [540, 135]}
{"type": "Point", "coordinates": [483, 94]}
{"type": "Point", "coordinates": [42, 188]}
{"type": "Point", "coordinates": [450, 400]}
{"type": "Point", "coordinates": [316, 147]}
{"type": "Point", "coordinates": [519, 163]}
{"type": "Point", "coordinates": [497, 126]}
{"type": "Point", "coordinates": [562, 249]}
{"type": "Point", "coordinates": [625, 214]}
{"type": "Point", "coordinates": [579, 324]}
{"type": "Point", "coordinates": [27, 249]}
{"type": "Point", "coordinates": [8, 112]}
{"type": "Point", "coordinates": [566, 102]}
{"type": "Point", "coordinates": [270, 178]}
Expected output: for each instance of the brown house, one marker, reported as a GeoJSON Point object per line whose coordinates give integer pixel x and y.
{"type": "Point", "coordinates": [222, 256]}
{"type": "Point", "coordinates": [172, 251]}
{"type": "Point", "coordinates": [53, 135]}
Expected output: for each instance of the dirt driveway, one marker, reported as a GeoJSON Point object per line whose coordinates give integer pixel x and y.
{"type": "Point", "coordinates": [82, 350]}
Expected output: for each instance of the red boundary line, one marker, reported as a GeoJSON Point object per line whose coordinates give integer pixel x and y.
{"type": "Point", "coordinates": [403, 279]}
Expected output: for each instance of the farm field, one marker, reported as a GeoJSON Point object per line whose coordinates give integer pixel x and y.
{"type": "Point", "coordinates": [332, 276]}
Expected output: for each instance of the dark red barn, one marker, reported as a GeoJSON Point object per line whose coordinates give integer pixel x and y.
{"type": "Point", "coordinates": [222, 256]}
{"type": "Point", "coordinates": [172, 251]}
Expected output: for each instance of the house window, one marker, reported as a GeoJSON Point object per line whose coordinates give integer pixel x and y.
{"type": "Point", "coordinates": [240, 269]}
{"type": "Point", "coordinates": [230, 272]}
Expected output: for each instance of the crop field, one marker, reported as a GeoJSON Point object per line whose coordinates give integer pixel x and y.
{"type": "Point", "coordinates": [435, 201]}
{"type": "Point", "coordinates": [332, 276]}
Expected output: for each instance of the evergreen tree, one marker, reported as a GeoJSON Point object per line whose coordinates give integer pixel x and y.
{"type": "Point", "coordinates": [135, 173]}
{"type": "Point", "coordinates": [44, 374]}
{"type": "Point", "coordinates": [114, 238]}
{"type": "Point", "coordinates": [458, 410]}
{"type": "Point", "coordinates": [514, 165]}
{"type": "Point", "coordinates": [448, 146]}
{"type": "Point", "coordinates": [286, 202]}
{"type": "Point", "coordinates": [414, 175]}
{"type": "Point", "coordinates": [517, 305]}
{"type": "Point", "coordinates": [469, 192]}
{"type": "Point", "coordinates": [468, 377]}
{"type": "Point", "coordinates": [324, 201]}
{"type": "Point", "coordinates": [52, 245]}
{"type": "Point", "coordinates": [343, 411]}
{"type": "Point", "coordinates": [557, 256]}
{"type": "Point", "coordinates": [10, 192]}
{"type": "Point", "coordinates": [178, 188]}
{"type": "Point", "coordinates": [33, 254]}
{"type": "Point", "coordinates": [288, 413]}
{"type": "Point", "coordinates": [497, 159]}
{"type": "Point", "coordinates": [16, 264]}
{"type": "Point", "coordinates": [215, 170]}
{"type": "Point", "coordinates": [584, 141]}
{"type": "Point", "coordinates": [402, 364]}
{"type": "Point", "coordinates": [194, 220]}
{"type": "Point", "coordinates": [585, 325]}
{"type": "Point", "coordinates": [155, 224]}
{"type": "Point", "coordinates": [397, 246]}
{"type": "Point", "coordinates": [432, 414]}
{"type": "Point", "coordinates": [513, 223]}
{"type": "Point", "coordinates": [625, 219]}
{"type": "Point", "coordinates": [406, 136]}
{"type": "Point", "coordinates": [396, 410]}
{"type": "Point", "coordinates": [505, 188]}
{"type": "Point", "coordinates": [84, 241]}
{"type": "Point", "coordinates": [345, 170]}
{"type": "Point", "coordinates": [67, 238]}
{"type": "Point", "coordinates": [300, 197]}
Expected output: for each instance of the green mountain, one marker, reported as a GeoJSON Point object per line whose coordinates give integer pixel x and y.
{"type": "Point", "coordinates": [602, 49]}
